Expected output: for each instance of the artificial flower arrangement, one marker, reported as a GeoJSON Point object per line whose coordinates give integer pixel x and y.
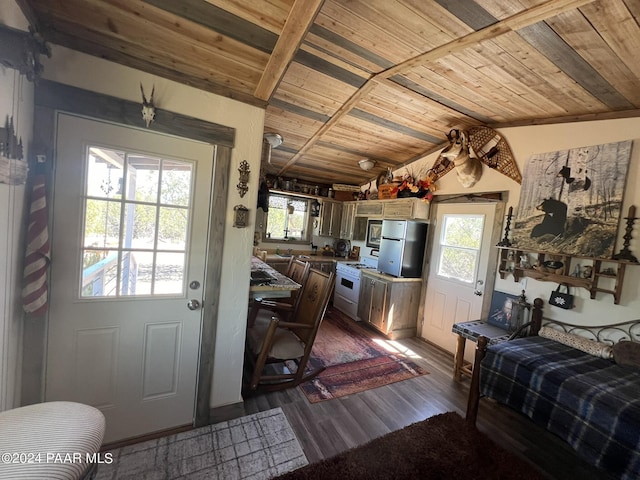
{"type": "Point", "coordinates": [420, 186]}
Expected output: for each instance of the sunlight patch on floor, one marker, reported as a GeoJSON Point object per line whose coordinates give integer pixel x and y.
{"type": "Point", "coordinates": [397, 348]}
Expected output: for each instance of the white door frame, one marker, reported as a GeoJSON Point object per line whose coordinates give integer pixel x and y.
{"type": "Point", "coordinates": [492, 263]}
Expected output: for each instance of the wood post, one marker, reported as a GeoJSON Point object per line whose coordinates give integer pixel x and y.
{"type": "Point", "coordinates": [474, 388]}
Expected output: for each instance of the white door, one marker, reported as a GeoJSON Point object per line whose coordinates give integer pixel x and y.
{"type": "Point", "coordinates": [458, 270]}
{"type": "Point", "coordinates": [130, 223]}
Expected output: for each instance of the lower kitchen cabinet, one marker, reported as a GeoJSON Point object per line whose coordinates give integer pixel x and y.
{"type": "Point", "coordinates": [390, 305]}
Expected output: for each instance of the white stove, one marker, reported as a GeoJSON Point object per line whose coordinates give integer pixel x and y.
{"type": "Point", "coordinates": [347, 291]}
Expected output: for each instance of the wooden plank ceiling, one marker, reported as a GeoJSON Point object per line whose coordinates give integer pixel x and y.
{"type": "Point", "coordinates": [385, 79]}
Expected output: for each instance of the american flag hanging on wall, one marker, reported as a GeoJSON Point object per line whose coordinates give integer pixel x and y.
{"type": "Point", "coordinates": [37, 256]}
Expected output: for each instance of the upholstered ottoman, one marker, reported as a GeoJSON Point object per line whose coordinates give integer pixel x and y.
{"type": "Point", "coordinates": [54, 440]}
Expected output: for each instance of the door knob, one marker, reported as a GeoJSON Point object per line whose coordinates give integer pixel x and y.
{"type": "Point", "coordinates": [477, 291]}
{"type": "Point", "coordinates": [193, 304]}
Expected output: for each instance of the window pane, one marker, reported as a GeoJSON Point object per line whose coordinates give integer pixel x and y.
{"type": "Point", "coordinates": [288, 217]}
{"type": "Point", "coordinates": [172, 228]}
{"type": "Point", "coordinates": [296, 224]}
{"type": "Point", "coordinates": [121, 258]}
{"type": "Point", "coordinates": [99, 273]}
{"type": "Point", "coordinates": [169, 276]}
{"type": "Point", "coordinates": [143, 174]}
{"type": "Point", "coordinates": [140, 226]}
{"type": "Point", "coordinates": [137, 271]}
{"type": "Point", "coordinates": [104, 173]}
{"type": "Point", "coordinates": [176, 183]}
{"type": "Point", "coordinates": [102, 223]}
{"type": "Point", "coordinates": [463, 231]}
{"type": "Point", "coordinates": [457, 263]}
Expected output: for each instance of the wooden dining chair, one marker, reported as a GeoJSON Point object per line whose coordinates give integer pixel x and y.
{"type": "Point", "coordinates": [280, 341]}
{"type": "Point", "coordinates": [298, 271]}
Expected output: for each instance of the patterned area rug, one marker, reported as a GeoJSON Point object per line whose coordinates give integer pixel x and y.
{"type": "Point", "coordinates": [255, 447]}
{"type": "Point", "coordinates": [356, 360]}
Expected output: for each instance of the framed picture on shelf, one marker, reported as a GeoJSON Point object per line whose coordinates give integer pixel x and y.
{"type": "Point", "coordinates": [374, 232]}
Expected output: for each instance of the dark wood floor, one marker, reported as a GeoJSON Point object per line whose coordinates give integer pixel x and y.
{"type": "Point", "coordinates": [327, 428]}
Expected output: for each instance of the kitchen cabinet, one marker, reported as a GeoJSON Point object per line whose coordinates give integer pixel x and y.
{"type": "Point", "coordinates": [397, 209]}
{"type": "Point", "coordinates": [593, 274]}
{"type": "Point", "coordinates": [390, 305]}
{"type": "Point", "coordinates": [330, 218]}
{"type": "Point", "coordinates": [327, 267]}
{"type": "Point", "coordinates": [352, 227]}
{"type": "Point", "coordinates": [369, 208]}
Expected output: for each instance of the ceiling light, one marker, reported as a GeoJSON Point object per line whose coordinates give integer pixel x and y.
{"type": "Point", "coordinates": [273, 139]}
{"type": "Point", "coordinates": [366, 164]}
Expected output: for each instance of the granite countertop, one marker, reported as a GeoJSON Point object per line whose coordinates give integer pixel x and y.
{"type": "Point", "coordinates": [280, 282]}
{"type": "Point", "coordinates": [272, 257]}
{"type": "Point", "coordinates": [389, 278]}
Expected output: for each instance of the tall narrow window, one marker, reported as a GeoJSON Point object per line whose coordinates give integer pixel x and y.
{"type": "Point", "coordinates": [288, 218]}
{"type": "Point", "coordinates": [460, 244]}
{"type": "Point", "coordinates": [136, 223]}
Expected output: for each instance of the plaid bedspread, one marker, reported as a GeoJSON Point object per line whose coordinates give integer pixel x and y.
{"type": "Point", "coordinates": [590, 402]}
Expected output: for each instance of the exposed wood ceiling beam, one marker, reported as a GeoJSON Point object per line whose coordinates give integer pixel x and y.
{"type": "Point", "coordinates": [587, 117]}
{"type": "Point", "coordinates": [519, 20]}
{"type": "Point", "coordinates": [298, 23]}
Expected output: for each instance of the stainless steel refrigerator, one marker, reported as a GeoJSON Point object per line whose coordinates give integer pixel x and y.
{"type": "Point", "coordinates": [402, 248]}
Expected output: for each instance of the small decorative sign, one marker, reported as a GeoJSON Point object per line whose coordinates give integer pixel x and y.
{"type": "Point", "coordinates": [241, 216]}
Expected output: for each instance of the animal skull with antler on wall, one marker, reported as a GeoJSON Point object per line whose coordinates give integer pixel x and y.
{"type": "Point", "coordinates": [148, 108]}
{"type": "Point", "coordinates": [468, 168]}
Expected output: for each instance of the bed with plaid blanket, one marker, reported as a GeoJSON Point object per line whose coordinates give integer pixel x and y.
{"type": "Point", "coordinates": [590, 402]}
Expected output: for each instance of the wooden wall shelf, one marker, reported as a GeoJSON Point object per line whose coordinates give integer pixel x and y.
{"type": "Point", "coordinates": [609, 271]}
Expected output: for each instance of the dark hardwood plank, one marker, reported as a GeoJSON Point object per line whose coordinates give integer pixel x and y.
{"type": "Point", "coordinates": [329, 427]}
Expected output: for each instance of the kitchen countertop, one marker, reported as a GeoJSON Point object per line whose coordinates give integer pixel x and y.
{"type": "Point", "coordinates": [272, 257]}
{"type": "Point", "coordinates": [389, 278]}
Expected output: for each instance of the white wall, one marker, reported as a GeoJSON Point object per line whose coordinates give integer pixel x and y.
{"type": "Point", "coordinates": [16, 100]}
{"type": "Point", "coordinates": [91, 73]}
{"type": "Point", "coordinates": [525, 141]}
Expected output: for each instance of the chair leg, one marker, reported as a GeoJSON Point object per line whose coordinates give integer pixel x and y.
{"type": "Point", "coordinates": [458, 359]}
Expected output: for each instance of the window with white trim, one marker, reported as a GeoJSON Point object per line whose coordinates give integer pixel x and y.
{"type": "Point", "coordinates": [287, 218]}
{"type": "Point", "coordinates": [460, 243]}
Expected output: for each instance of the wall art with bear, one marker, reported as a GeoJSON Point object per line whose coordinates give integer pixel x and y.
{"type": "Point", "coordinates": [570, 201]}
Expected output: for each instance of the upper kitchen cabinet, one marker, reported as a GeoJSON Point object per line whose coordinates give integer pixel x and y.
{"type": "Point", "coordinates": [352, 227]}
{"type": "Point", "coordinates": [330, 218]}
{"type": "Point", "coordinates": [395, 209]}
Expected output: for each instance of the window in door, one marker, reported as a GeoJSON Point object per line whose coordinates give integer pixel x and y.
{"type": "Point", "coordinates": [137, 213]}
{"type": "Point", "coordinates": [287, 219]}
{"type": "Point", "coordinates": [460, 243]}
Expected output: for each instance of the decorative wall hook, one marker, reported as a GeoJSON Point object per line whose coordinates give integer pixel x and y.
{"type": "Point", "coordinates": [148, 108]}
{"type": "Point", "coordinates": [244, 178]}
